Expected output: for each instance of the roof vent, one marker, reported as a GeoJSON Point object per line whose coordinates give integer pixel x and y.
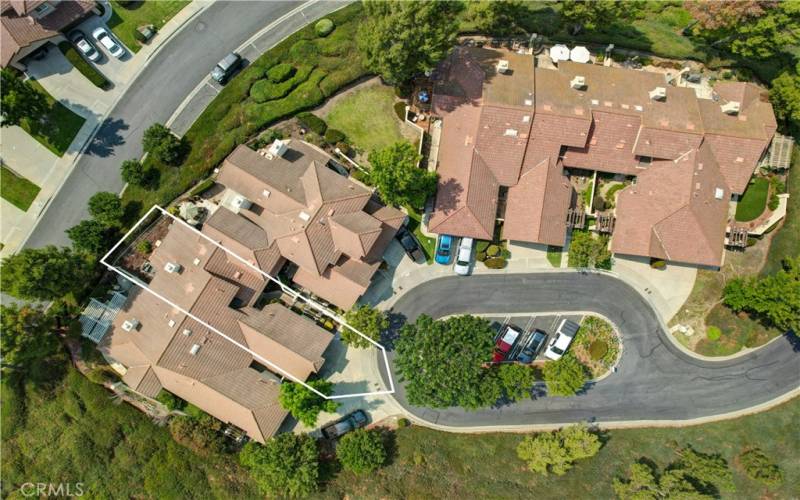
{"type": "Point", "coordinates": [529, 102]}
{"type": "Point", "coordinates": [196, 261]}
{"type": "Point", "coordinates": [730, 108]}
{"type": "Point", "coordinates": [171, 323]}
{"type": "Point", "coordinates": [510, 132]}
{"type": "Point", "coordinates": [719, 193]}
{"type": "Point", "coordinates": [195, 349]}
{"type": "Point", "coordinates": [502, 66]}
{"type": "Point", "coordinates": [578, 82]}
{"type": "Point", "coordinates": [638, 108]}
{"type": "Point", "coordinates": [172, 267]}
{"type": "Point", "coordinates": [276, 149]}
{"type": "Point", "coordinates": [658, 94]}
{"type": "Point", "coordinates": [187, 332]}
{"type": "Point", "coordinates": [130, 324]}
{"type": "Point", "coordinates": [304, 216]}
{"type": "Point", "coordinates": [265, 193]}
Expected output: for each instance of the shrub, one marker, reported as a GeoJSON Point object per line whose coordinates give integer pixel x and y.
{"type": "Point", "coordinates": [564, 377]}
{"type": "Point", "coordinates": [144, 247]}
{"type": "Point", "coordinates": [480, 256]}
{"type": "Point", "coordinates": [598, 349]}
{"type": "Point", "coordinates": [324, 27]}
{"type": "Point", "coordinates": [332, 136]}
{"type": "Point", "coordinates": [202, 187]}
{"type": "Point", "coordinates": [132, 172]}
{"type": "Point", "coordinates": [344, 148]}
{"type": "Point", "coordinates": [361, 451]}
{"type": "Point", "coordinates": [658, 264]}
{"type": "Point", "coordinates": [495, 263]}
{"type": "Point", "coordinates": [760, 468]}
{"type": "Point", "coordinates": [713, 333]}
{"type": "Point", "coordinates": [403, 422]}
{"type": "Point", "coordinates": [160, 142]}
{"type": "Point", "coordinates": [403, 90]}
{"type": "Point", "coordinates": [171, 401]}
{"type": "Point", "coordinates": [82, 66]}
{"type": "Point", "coordinates": [286, 466]}
{"type": "Point", "coordinates": [599, 203]}
{"type": "Point", "coordinates": [493, 250]}
{"type": "Point", "coordinates": [400, 110]}
{"type": "Point", "coordinates": [265, 139]}
{"type": "Point", "coordinates": [312, 122]}
{"type": "Point", "coordinates": [265, 90]}
{"type": "Point", "coordinates": [751, 241]}
{"type": "Point", "coordinates": [280, 72]}
{"type": "Point", "coordinates": [773, 202]}
{"type": "Point", "coordinates": [556, 452]}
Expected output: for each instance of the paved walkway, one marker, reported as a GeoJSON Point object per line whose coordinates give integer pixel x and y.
{"type": "Point", "coordinates": [69, 87]}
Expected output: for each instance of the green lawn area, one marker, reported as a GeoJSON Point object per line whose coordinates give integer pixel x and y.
{"type": "Point", "coordinates": [753, 201]}
{"type": "Point", "coordinates": [86, 69]}
{"type": "Point", "coordinates": [434, 464]}
{"type": "Point", "coordinates": [18, 190]}
{"type": "Point", "coordinates": [367, 118]}
{"type": "Point", "coordinates": [125, 19]}
{"type": "Point", "coordinates": [737, 332]}
{"type": "Point", "coordinates": [428, 244]}
{"type": "Point", "coordinates": [233, 116]}
{"type": "Point", "coordinates": [554, 255]}
{"type": "Point", "coordinates": [787, 242]}
{"type": "Point", "coordinates": [58, 128]}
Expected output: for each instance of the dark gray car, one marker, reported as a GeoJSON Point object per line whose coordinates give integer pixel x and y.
{"type": "Point", "coordinates": [348, 423]}
{"type": "Point", "coordinates": [226, 67]}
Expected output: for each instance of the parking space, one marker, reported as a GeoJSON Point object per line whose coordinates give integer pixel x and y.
{"type": "Point", "coordinates": [64, 82]}
{"type": "Point", "coordinates": [527, 323]}
{"type": "Point", "coordinates": [115, 70]}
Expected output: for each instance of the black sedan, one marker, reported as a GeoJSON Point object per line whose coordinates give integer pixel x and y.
{"type": "Point", "coordinates": [410, 245]}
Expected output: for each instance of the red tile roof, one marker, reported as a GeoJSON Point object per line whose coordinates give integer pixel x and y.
{"type": "Point", "coordinates": [610, 145]}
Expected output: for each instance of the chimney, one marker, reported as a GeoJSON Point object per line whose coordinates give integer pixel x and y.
{"type": "Point", "coordinates": [658, 94]}
{"type": "Point", "coordinates": [730, 108]}
{"type": "Point", "coordinates": [578, 83]}
{"type": "Point", "coordinates": [502, 66]}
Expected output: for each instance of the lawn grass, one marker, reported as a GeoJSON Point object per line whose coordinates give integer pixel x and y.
{"type": "Point", "coordinates": [786, 243]}
{"type": "Point", "coordinates": [554, 255]}
{"type": "Point", "coordinates": [435, 464]}
{"type": "Point", "coordinates": [86, 69]}
{"type": "Point", "coordinates": [18, 190]}
{"type": "Point", "coordinates": [753, 201]}
{"type": "Point", "coordinates": [233, 116]}
{"type": "Point", "coordinates": [415, 226]}
{"type": "Point", "coordinates": [737, 332]}
{"type": "Point", "coordinates": [367, 118]}
{"type": "Point", "coordinates": [125, 20]}
{"type": "Point", "coordinates": [57, 128]}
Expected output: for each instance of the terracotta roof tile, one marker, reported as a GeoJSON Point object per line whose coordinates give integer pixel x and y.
{"type": "Point", "coordinates": [610, 145]}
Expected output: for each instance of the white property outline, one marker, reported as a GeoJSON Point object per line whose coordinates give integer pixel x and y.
{"type": "Point", "coordinates": [324, 310]}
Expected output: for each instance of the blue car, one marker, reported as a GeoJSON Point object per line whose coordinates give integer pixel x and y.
{"type": "Point", "coordinates": [444, 249]}
{"type": "Point", "coordinates": [530, 351]}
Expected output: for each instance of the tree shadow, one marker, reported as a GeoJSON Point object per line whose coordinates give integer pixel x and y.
{"type": "Point", "coordinates": [389, 438]}
{"type": "Point", "coordinates": [151, 179]}
{"type": "Point", "coordinates": [793, 339]}
{"type": "Point", "coordinates": [391, 334]}
{"type": "Point", "coordinates": [107, 138]}
{"type": "Point", "coordinates": [132, 209]}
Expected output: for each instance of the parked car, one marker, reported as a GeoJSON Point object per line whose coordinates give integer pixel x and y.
{"type": "Point", "coordinates": [101, 35]}
{"type": "Point", "coordinates": [563, 338]}
{"type": "Point", "coordinates": [535, 345]}
{"type": "Point", "coordinates": [464, 257]}
{"type": "Point", "coordinates": [444, 249]}
{"type": "Point", "coordinates": [348, 423]}
{"type": "Point", "coordinates": [84, 46]}
{"type": "Point", "coordinates": [410, 245]}
{"type": "Point", "coordinates": [226, 67]}
{"type": "Point", "coordinates": [505, 342]}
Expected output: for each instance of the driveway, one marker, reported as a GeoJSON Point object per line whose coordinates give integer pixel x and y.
{"type": "Point", "coordinates": [655, 380]}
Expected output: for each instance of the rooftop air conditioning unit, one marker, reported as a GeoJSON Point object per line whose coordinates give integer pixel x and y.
{"type": "Point", "coordinates": [658, 94]}
{"type": "Point", "coordinates": [130, 324]}
{"type": "Point", "coordinates": [187, 332]}
{"type": "Point", "coordinates": [277, 149]}
{"type": "Point", "coordinates": [240, 202]}
{"type": "Point", "coordinates": [578, 82]}
{"type": "Point", "coordinates": [719, 193]}
{"type": "Point", "coordinates": [195, 349]}
{"type": "Point", "coordinates": [730, 108]}
{"type": "Point", "coordinates": [502, 66]}
{"type": "Point", "coordinates": [172, 267]}
{"type": "Point", "coordinates": [305, 216]}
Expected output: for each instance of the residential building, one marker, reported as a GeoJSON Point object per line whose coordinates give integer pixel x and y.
{"type": "Point", "coordinates": [284, 204]}
{"type": "Point", "coordinates": [513, 131]}
{"type": "Point", "coordinates": [29, 24]}
{"type": "Point", "coordinates": [157, 346]}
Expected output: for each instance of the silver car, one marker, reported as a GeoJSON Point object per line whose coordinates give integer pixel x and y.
{"type": "Point", "coordinates": [101, 35]}
{"type": "Point", "coordinates": [463, 257]}
{"type": "Point", "coordinates": [84, 46]}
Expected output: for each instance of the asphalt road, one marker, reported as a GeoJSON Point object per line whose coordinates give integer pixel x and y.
{"type": "Point", "coordinates": [157, 92]}
{"type": "Point", "coordinates": [655, 380]}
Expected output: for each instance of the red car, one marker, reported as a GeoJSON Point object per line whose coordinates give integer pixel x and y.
{"type": "Point", "coordinates": [504, 343]}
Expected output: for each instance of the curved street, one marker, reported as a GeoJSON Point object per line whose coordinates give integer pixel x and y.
{"type": "Point", "coordinates": [183, 62]}
{"type": "Point", "coordinates": [655, 380]}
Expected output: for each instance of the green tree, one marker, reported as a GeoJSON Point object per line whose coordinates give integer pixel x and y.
{"type": "Point", "coordinates": [160, 142]}
{"type": "Point", "coordinates": [643, 483]}
{"type": "Point", "coordinates": [515, 380]}
{"type": "Point", "coordinates": [564, 377]}
{"type": "Point", "coordinates": [28, 335]}
{"type": "Point", "coordinates": [106, 208]}
{"type": "Point", "coordinates": [785, 98]}
{"type": "Point", "coordinates": [587, 251]}
{"type": "Point", "coordinates": [709, 471]}
{"type": "Point", "coordinates": [89, 236]}
{"type": "Point", "coordinates": [495, 17]}
{"type": "Point", "coordinates": [589, 15]}
{"type": "Point", "coordinates": [770, 33]}
{"type": "Point", "coordinates": [443, 362]}
{"type": "Point", "coordinates": [45, 273]}
{"type": "Point", "coordinates": [775, 297]}
{"type": "Point", "coordinates": [399, 40]}
{"type": "Point", "coordinates": [367, 320]}
{"type": "Point", "coordinates": [556, 452]}
{"type": "Point", "coordinates": [759, 467]}
{"type": "Point", "coordinates": [398, 179]}
{"type": "Point", "coordinates": [304, 404]}
{"type": "Point", "coordinates": [285, 466]}
{"type": "Point", "coordinates": [711, 15]}
{"type": "Point", "coordinates": [132, 172]}
{"type": "Point", "coordinates": [20, 101]}
{"type": "Point", "coordinates": [201, 435]}
{"type": "Point", "coordinates": [361, 451]}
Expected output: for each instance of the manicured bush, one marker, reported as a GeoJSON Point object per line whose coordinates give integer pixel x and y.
{"type": "Point", "coordinates": [403, 422]}
{"type": "Point", "coordinates": [713, 333]}
{"type": "Point", "coordinates": [332, 136]}
{"type": "Point", "coordinates": [361, 451]}
{"type": "Point", "coordinates": [495, 263]}
{"type": "Point", "coordinates": [82, 66]}
{"type": "Point", "coordinates": [280, 72]}
{"type": "Point", "coordinates": [313, 123]}
{"type": "Point", "coordinates": [480, 256]}
{"type": "Point", "coordinates": [144, 247]}
{"type": "Point", "coordinates": [266, 90]}
{"type": "Point", "coordinates": [132, 172]}
{"type": "Point", "coordinates": [400, 109]}
{"type": "Point", "coordinates": [598, 349]}
{"type": "Point", "coordinates": [324, 27]}
{"type": "Point", "coordinates": [492, 250]}
{"type": "Point", "coordinates": [658, 264]}
{"type": "Point", "coordinates": [202, 187]}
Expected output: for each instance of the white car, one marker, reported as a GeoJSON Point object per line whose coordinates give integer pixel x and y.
{"type": "Point", "coordinates": [565, 333]}
{"type": "Point", "coordinates": [463, 257]}
{"type": "Point", "coordinates": [84, 46]}
{"type": "Point", "coordinates": [102, 36]}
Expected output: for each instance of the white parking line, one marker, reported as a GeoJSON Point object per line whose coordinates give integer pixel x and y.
{"type": "Point", "coordinates": [215, 89]}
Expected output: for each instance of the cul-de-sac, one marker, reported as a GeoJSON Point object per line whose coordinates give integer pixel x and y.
{"type": "Point", "coordinates": [390, 249]}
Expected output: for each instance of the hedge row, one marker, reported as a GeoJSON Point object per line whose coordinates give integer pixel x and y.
{"type": "Point", "coordinates": [83, 66]}
{"type": "Point", "coordinates": [267, 90]}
